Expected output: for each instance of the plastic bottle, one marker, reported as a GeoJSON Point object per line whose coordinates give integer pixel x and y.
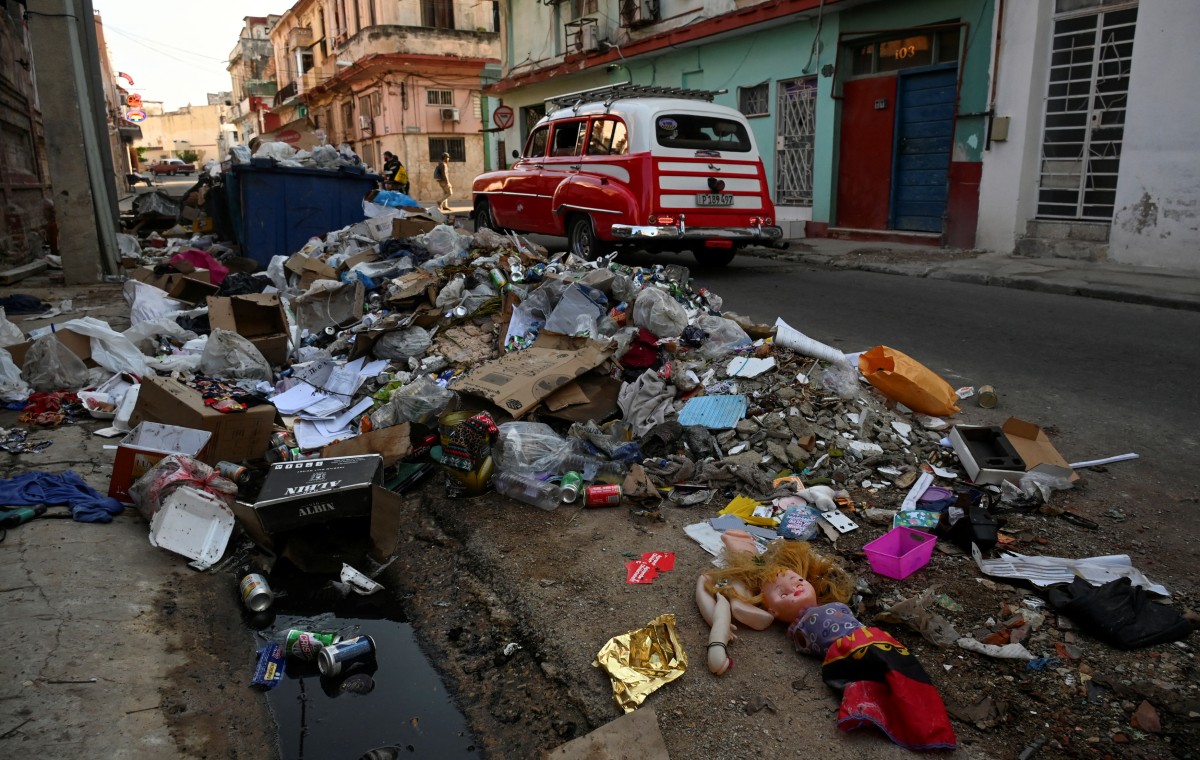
{"type": "Point", "coordinates": [528, 489]}
{"type": "Point", "coordinates": [590, 466]}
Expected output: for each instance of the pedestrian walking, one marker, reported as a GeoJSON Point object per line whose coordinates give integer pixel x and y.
{"type": "Point", "coordinates": [390, 164]}
{"type": "Point", "coordinates": [442, 175]}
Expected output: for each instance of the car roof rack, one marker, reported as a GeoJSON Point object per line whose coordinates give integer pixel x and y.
{"type": "Point", "coordinates": [613, 92]}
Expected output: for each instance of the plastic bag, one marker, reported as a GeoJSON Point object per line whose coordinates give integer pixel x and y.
{"type": "Point", "coordinates": [229, 355]}
{"type": "Point", "coordinates": [129, 246]}
{"type": "Point", "coordinates": [277, 273]}
{"type": "Point", "coordinates": [657, 312]}
{"type": "Point", "coordinates": [575, 314]}
{"type": "Point", "coordinates": [531, 447]}
{"type": "Point", "coordinates": [144, 334]}
{"type": "Point", "coordinates": [840, 379]}
{"type": "Point", "coordinates": [173, 472]}
{"type": "Point", "coordinates": [403, 344]}
{"type": "Point", "coordinates": [904, 379]}
{"type": "Point", "coordinates": [444, 240]}
{"type": "Point", "coordinates": [280, 151]}
{"type": "Point", "coordinates": [110, 349]}
{"type": "Point", "coordinates": [10, 334]}
{"type": "Point", "coordinates": [724, 335]}
{"type": "Point", "coordinates": [239, 154]}
{"type": "Point", "coordinates": [12, 387]}
{"type": "Point", "coordinates": [147, 303]}
{"type": "Point", "coordinates": [419, 401]}
{"type": "Point", "coordinates": [51, 366]}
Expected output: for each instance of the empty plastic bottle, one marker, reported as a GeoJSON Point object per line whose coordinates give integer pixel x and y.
{"type": "Point", "coordinates": [528, 489]}
{"type": "Point", "coordinates": [590, 466]}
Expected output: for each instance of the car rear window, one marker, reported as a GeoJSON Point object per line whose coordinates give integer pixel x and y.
{"type": "Point", "coordinates": [701, 132]}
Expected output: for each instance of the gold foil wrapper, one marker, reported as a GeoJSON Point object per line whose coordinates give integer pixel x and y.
{"type": "Point", "coordinates": [641, 661]}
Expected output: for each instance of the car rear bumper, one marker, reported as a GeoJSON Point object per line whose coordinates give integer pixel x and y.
{"type": "Point", "coordinates": [765, 234]}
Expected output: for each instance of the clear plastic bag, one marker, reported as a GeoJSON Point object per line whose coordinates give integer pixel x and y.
{"type": "Point", "coordinates": [12, 387]}
{"type": "Point", "coordinates": [173, 472]}
{"type": "Point", "coordinates": [51, 366]}
{"type": "Point", "coordinates": [143, 334]}
{"type": "Point", "coordinates": [530, 447]}
{"type": "Point", "coordinates": [239, 154]}
{"type": "Point", "coordinates": [403, 344]}
{"type": "Point", "coordinates": [575, 314]}
{"type": "Point", "coordinates": [657, 312]}
{"type": "Point", "coordinates": [10, 334]}
{"type": "Point", "coordinates": [724, 335]}
{"type": "Point", "coordinates": [280, 151]}
{"type": "Point", "coordinates": [444, 240]}
{"type": "Point", "coordinates": [419, 401]}
{"type": "Point", "coordinates": [229, 355]}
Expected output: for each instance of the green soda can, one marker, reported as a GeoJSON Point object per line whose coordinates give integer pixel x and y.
{"type": "Point", "coordinates": [305, 644]}
{"type": "Point", "coordinates": [570, 485]}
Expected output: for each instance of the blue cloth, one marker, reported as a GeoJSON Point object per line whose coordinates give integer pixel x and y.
{"type": "Point", "coordinates": [54, 489]}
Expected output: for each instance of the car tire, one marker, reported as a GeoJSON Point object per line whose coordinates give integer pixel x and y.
{"type": "Point", "coordinates": [714, 258]}
{"type": "Point", "coordinates": [581, 238]}
{"type": "Point", "coordinates": [484, 218]}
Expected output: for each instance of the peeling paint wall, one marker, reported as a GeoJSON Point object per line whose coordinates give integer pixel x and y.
{"type": "Point", "coordinates": [1157, 218]}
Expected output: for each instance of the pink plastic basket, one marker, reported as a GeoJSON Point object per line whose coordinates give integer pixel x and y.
{"type": "Point", "coordinates": [900, 552]}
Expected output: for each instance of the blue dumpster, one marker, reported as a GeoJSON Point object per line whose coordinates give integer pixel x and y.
{"type": "Point", "coordinates": [277, 209]}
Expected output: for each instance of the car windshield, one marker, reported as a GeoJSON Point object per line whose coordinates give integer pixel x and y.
{"type": "Point", "coordinates": [701, 132]}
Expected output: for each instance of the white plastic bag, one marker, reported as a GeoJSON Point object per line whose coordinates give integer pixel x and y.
{"type": "Point", "coordinates": [724, 335]}
{"type": "Point", "coordinates": [110, 349]}
{"type": "Point", "coordinates": [51, 366]}
{"type": "Point", "coordinates": [10, 334]}
{"type": "Point", "coordinates": [657, 312]}
{"type": "Point", "coordinates": [12, 386]}
{"type": "Point", "coordinates": [147, 302]}
{"type": "Point", "coordinates": [143, 334]}
{"type": "Point", "coordinates": [229, 355]}
{"type": "Point", "coordinates": [575, 314]}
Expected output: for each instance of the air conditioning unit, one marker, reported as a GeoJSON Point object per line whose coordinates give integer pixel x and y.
{"type": "Point", "coordinates": [366, 123]}
{"type": "Point", "coordinates": [449, 114]}
{"type": "Point", "coordinates": [587, 39]}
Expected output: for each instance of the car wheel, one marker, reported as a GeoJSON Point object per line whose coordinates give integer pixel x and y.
{"type": "Point", "coordinates": [714, 257]}
{"type": "Point", "coordinates": [582, 240]}
{"type": "Point", "coordinates": [484, 218]}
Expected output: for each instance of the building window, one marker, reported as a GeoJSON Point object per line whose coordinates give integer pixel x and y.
{"type": "Point", "coordinates": [581, 8]}
{"type": "Point", "coordinates": [347, 117]}
{"type": "Point", "coordinates": [439, 97]}
{"type": "Point", "coordinates": [903, 51]}
{"type": "Point", "coordinates": [752, 101]}
{"type": "Point", "coordinates": [437, 13]}
{"type": "Point", "coordinates": [455, 146]}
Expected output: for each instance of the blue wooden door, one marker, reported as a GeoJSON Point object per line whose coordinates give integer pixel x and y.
{"type": "Point", "coordinates": [925, 103]}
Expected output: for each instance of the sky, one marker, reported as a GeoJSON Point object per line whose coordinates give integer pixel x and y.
{"type": "Point", "coordinates": [176, 51]}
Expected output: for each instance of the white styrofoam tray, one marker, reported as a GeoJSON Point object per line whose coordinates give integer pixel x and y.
{"type": "Point", "coordinates": [193, 523]}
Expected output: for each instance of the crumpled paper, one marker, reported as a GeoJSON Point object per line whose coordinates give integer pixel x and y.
{"type": "Point", "coordinates": [642, 661]}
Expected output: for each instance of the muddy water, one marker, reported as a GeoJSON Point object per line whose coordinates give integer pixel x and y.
{"type": "Point", "coordinates": [396, 707]}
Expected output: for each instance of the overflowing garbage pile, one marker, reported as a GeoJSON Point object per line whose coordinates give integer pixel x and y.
{"type": "Point", "coordinates": [295, 404]}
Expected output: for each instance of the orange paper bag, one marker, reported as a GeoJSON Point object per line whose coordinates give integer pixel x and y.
{"type": "Point", "coordinates": [902, 378]}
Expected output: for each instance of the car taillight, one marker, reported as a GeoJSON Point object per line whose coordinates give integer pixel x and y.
{"type": "Point", "coordinates": [760, 220]}
{"type": "Point", "coordinates": [661, 220]}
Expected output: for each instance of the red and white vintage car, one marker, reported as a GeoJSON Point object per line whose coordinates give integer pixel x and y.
{"type": "Point", "coordinates": [626, 165]}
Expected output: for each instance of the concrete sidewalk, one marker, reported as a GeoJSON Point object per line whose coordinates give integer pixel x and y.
{"type": "Point", "coordinates": [1168, 288]}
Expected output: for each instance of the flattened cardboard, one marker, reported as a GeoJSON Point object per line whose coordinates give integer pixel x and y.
{"type": "Point", "coordinates": [392, 443]}
{"type": "Point", "coordinates": [257, 317]}
{"type": "Point", "coordinates": [1028, 440]}
{"type": "Point", "coordinates": [517, 382]}
{"type": "Point", "coordinates": [236, 437]}
{"type": "Point", "coordinates": [191, 287]}
{"type": "Point", "coordinates": [412, 225]}
{"type": "Point", "coordinates": [601, 392]}
{"type": "Point", "coordinates": [313, 491]}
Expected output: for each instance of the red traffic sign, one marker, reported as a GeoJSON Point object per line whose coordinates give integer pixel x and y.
{"type": "Point", "coordinates": [503, 116]}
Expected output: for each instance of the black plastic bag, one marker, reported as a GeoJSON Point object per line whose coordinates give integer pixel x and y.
{"type": "Point", "coordinates": [1119, 613]}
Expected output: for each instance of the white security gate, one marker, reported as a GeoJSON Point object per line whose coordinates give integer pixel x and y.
{"type": "Point", "coordinates": [796, 127]}
{"type": "Point", "coordinates": [1090, 60]}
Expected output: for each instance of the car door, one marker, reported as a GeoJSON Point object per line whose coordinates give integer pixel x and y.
{"type": "Point", "coordinates": [513, 200]}
{"type": "Point", "coordinates": [563, 160]}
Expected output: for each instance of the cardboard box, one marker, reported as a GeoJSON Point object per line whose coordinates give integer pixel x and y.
{"type": "Point", "coordinates": [412, 225]}
{"type": "Point", "coordinates": [517, 382]}
{"type": "Point", "coordinates": [312, 491]}
{"type": "Point", "coordinates": [80, 345]}
{"type": "Point", "coordinates": [994, 455]}
{"type": "Point", "coordinates": [257, 317]}
{"type": "Point", "coordinates": [147, 445]}
{"type": "Point", "coordinates": [236, 437]}
{"type": "Point", "coordinates": [192, 287]}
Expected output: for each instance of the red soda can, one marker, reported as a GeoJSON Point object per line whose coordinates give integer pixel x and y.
{"type": "Point", "coordinates": [602, 496]}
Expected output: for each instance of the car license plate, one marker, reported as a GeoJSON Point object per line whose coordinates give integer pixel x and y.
{"type": "Point", "coordinates": [714, 199]}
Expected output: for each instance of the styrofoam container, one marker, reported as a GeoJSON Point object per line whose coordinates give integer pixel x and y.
{"type": "Point", "coordinates": [193, 523]}
{"type": "Point", "coordinates": [900, 552]}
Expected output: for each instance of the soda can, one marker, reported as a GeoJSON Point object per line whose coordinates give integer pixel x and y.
{"type": "Point", "coordinates": [498, 279]}
{"type": "Point", "coordinates": [987, 396]}
{"type": "Point", "coordinates": [280, 439]}
{"type": "Point", "coordinates": [306, 644]}
{"type": "Point", "coordinates": [602, 496]}
{"type": "Point", "coordinates": [256, 592]}
{"type": "Point", "coordinates": [570, 485]}
{"type": "Point", "coordinates": [283, 453]}
{"type": "Point", "coordinates": [344, 656]}
{"type": "Point", "coordinates": [234, 472]}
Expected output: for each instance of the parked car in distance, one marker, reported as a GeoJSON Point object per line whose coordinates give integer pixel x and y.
{"type": "Point", "coordinates": [173, 166]}
{"type": "Point", "coordinates": [658, 168]}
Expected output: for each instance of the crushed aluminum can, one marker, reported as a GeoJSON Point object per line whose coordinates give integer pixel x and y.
{"type": "Point", "coordinates": [346, 656]}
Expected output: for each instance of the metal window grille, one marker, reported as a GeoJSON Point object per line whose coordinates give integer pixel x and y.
{"type": "Point", "coordinates": [753, 101]}
{"type": "Point", "coordinates": [439, 97]}
{"type": "Point", "coordinates": [1088, 91]}
{"type": "Point", "coordinates": [796, 123]}
{"type": "Point", "coordinates": [455, 146]}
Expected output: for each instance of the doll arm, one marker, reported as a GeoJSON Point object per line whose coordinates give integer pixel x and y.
{"type": "Point", "coordinates": [744, 612]}
{"type": "Point", "coordinates": [719, 660]}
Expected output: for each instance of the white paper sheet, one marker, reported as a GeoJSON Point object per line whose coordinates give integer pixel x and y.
{"type": "Point", "coordinates": [1047, 571]}
{"type": "Point", "coordinates": [308, 436]}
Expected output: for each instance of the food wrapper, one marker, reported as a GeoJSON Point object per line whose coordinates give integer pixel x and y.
{"type": "Point", "coordinates": [642, 661]}
{"type": "Point", "coordinates": [269, 671]}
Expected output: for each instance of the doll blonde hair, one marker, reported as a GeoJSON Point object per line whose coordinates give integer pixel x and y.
{"type": "Point", "coordinates": [752, 572]}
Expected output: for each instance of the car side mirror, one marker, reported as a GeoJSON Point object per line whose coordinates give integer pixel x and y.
{"type": "Point", "coordinates": [516, 153]}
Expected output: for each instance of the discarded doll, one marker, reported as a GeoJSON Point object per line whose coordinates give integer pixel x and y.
{"type": "Point", "coordinates": [882, 683]}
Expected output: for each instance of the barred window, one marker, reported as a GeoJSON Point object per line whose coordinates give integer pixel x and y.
{"type": "Point", "coordinates": [455, 146]}
{"type": "Point", "coordinates": [439, 97]}
{"type": "Point", "coordinates": [752, 101]}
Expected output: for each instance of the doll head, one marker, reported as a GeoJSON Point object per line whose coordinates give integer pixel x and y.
{"type": "Point", "coordinates": [785, 580]}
